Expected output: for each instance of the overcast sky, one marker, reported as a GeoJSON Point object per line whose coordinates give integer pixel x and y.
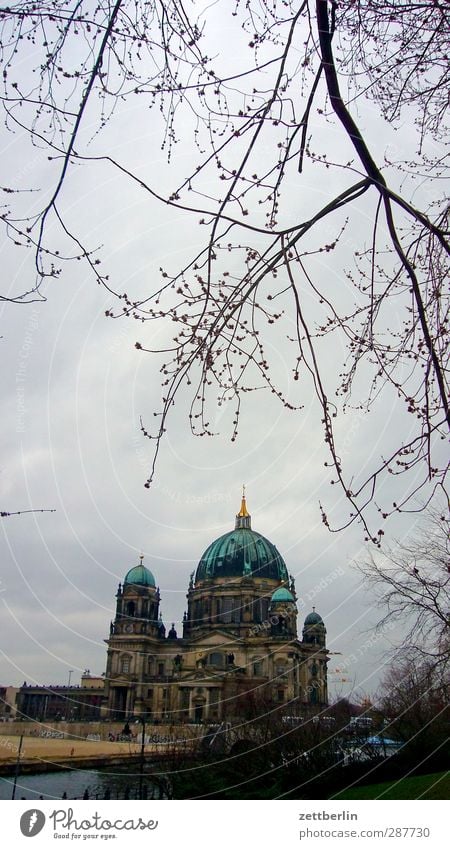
{"type": "Point", "coordinates": [73, 389]}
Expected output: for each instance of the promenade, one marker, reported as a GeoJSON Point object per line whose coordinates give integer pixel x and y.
{"type": "Point", "coordinates": [43, 754]}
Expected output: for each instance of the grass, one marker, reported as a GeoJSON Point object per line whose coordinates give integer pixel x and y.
{"type": "Point", "coordinates": [433, 786]}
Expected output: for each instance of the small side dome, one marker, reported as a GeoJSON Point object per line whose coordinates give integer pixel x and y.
{"type": "Point", "coordinates": [313, 618]}
{"type": "Point", "coordinates": [314, 631]}
{"type": "Point", "coordinates": [282, 594]}
{"type": "Point", "coordinates": [140, 576]}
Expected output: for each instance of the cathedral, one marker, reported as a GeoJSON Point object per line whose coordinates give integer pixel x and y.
{"type": "Point", "coordinates": [239, 653]}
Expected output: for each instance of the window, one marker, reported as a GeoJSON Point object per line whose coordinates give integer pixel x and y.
{"type": "Point", "coordinates": [160, 668]}
{"type": "Point", "coordinates": [280, 695]}
{"type": "Point", "coordinates": [227, 608]}
{"type": "Point", "coordinates": [236, 611]}
{"type": "Point", "coordinates": [230, 610]}
{"type": "Point", "coordinates": [125, 664]}
{"type": "Point", "coordinates": [150, 695]}
{"type": "Point", "coordinates": [260, 609]}
{"type": "Point", "coordinates": [257, 666]}
{"type": "Point", "coordinates": [257, 611]}
{"type": "Point", "coordinates": [130, 608]}
{"type": "Point", "coordinates": [216, 659]}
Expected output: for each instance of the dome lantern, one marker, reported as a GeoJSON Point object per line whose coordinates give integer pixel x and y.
{"type": "Point", "coordinates": [243, 518]}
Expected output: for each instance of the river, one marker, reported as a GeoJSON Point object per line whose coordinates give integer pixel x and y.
{"type": "Point", "coordinates": [76, 783]}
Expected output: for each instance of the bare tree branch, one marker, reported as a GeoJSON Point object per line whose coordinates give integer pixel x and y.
{"type": "Point", "coordinates": [257, 131]}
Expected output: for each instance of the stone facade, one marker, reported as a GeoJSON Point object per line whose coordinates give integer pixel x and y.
{"type": "Point", "coordinates": [239, 653]}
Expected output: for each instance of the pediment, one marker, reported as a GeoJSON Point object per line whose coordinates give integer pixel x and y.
{"type": "Point", "coordinates": [214, 639]}
{"type": "Point", "coordinates": [202, 677]}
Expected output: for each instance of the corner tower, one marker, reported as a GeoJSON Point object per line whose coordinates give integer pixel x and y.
{"type": "Point", "coordinates": [136, 628]}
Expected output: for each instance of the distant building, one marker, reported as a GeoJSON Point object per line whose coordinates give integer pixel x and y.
{"type": "Point", "coordinates": [239, 648]}
{"type": "Point", "coordinates": [92, 682]}
{"type": "Point", "coordinates": [69, 703]}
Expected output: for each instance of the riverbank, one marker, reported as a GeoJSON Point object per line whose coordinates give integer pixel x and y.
{"type": "Point", "coordinates": [47, 755]}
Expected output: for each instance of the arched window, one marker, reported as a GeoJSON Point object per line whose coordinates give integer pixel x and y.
{"type": "Point", "coordinates": [130, 608]}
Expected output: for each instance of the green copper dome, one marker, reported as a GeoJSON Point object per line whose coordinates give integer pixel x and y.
{"type": "Point", "coordinates": [282, 594]}
{"type": "Point", "coordinates": [313, 619]}
{"type": "Point", "coordinates": [139, 575]}
{"type": "Point", "coordinates": [242, 552]}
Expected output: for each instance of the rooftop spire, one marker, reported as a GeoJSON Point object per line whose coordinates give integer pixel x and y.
{"type": "Point", "coordinates": [243, 517]}
{"type": "Point", "coordinates": [243, 511]}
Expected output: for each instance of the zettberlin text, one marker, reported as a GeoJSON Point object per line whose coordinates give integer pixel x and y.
{"type": "Point", "coordinates": [324, 815]}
